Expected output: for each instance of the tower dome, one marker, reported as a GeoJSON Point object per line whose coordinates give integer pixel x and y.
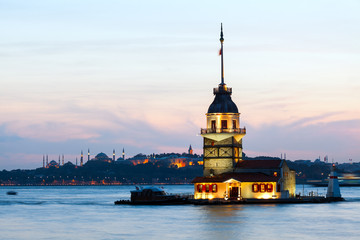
{"type": "Point", "coordinates": [223, 102]}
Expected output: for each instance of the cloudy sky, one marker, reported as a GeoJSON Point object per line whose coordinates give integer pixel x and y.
{"type": "Point", "coordinates": [104, 75]}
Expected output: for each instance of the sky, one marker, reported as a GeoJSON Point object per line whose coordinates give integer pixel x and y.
{"type": "Point", "coordinates": [138, 75]}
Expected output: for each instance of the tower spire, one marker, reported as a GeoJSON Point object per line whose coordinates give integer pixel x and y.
{"type": "Point", "coordinates": [222, 55]}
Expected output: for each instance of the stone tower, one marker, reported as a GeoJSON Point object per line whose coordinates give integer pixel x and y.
{"type": "Point", "coordinates": [222, 135]}
{"type": "Point", "coordinates": [190, 151]}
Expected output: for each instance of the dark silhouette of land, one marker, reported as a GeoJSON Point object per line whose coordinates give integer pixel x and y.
{"type": "Point", "coordinates": [168, 168]}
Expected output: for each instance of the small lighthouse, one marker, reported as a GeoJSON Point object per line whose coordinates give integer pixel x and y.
{"type": "Point", "coordinates": [333, 191]}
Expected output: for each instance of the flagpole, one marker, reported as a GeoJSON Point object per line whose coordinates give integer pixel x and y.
{"type": "Point", "coordinates": [222, 55]}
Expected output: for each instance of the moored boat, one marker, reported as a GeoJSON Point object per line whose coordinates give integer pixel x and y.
{"type": "Point", "coordinates": [153, 196]}
{"type": "Point", "coordinates": [11, 193]}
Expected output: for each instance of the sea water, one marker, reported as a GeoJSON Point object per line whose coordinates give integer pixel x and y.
{"type": "Point", "coordinates": [88, 212]}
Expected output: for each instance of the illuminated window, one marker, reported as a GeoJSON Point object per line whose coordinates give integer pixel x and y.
{"type": "Point", "coordinates": [275, 174]}
{"type": "Point", "coordinates": [262, 187]}
{"type": "Point", "coordinates": [207, 188]}
{"type": "Point", "coordinates": [269, 187]}
{"type": "Point", "coordinates": [199, 188]}
{"type": "Point", "coordinates": [213, 124]}
{"type": "Point", "coordinates": [255, 187]}
{"type": "Point", "coordinates": [223, 124]}
{"type": "Point", "coordinates": [214, 188]}
{"type": "Point", "coordinates": [234, 124]}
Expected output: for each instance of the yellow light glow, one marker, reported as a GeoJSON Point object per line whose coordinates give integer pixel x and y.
{"type": "Point", "coordinates": [264, 196]}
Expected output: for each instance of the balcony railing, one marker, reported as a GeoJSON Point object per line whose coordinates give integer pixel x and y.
{"type": "Point", "coordinates": [222, 90]}
{"type": "Point", "coordinates": [223, 130]}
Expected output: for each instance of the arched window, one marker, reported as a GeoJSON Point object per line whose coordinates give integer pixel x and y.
{"type": "Point", "coordinates": [262, 187]}
{"type": "Point", "coordinates": [269, 187]}
{"type": "Point", "coordinates": [199, 187]}
{"type": "Point", "coordinates": [214, 188]}
{"type": "Point", "coordinates": [255, 187]}
{"type": "Point", "coordinates": [213, 125]}
{"type": "Point", "coordinates": [223, 124]}
{"type": "Point", "coordinates": [207, 188]}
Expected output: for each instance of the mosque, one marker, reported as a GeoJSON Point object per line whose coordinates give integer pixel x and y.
{"type": "Point", "coordinates": [226, 175]}
{"type": "Point", "coordinates": [99, 157]}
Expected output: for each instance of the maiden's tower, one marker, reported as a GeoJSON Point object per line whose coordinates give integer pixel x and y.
{"type": "Point", "coordinates": [226, 175]}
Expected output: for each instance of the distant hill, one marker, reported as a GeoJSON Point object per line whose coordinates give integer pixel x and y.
{"type": "Point", "coordinates": [167, 168]}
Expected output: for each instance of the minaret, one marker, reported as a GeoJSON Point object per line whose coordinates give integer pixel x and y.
{"type": "Point", "coordinates": [82, 158]}
{"type": "Point", "coordinates": [59, 160]}
{"type": "Point", "coordinates": [63, 160]}
{"type": "Point", "coordinates": [76, 162]}
{"type": "Point", "coordinates": [123, 154]}
{"type": "Point", "coordinates": [333, 191]}
{"type": "Point", "coordinates": [223, 135]}
{"type": "Point", "coordinates": [88, 154]}
{"type": "Point", "coordinates": [113, 155]}
{"type": "Point", "coordinates": [47, 161]}
{"type": "Point", "coordinates": [43, 161]}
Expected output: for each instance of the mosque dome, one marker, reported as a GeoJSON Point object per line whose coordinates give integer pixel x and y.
{"type": "Point", "coordinates": [101, 156]}
{"type": "Point", "coordinates": [53, 163]}
{"type": "Point", "coordinates": [223, 102]}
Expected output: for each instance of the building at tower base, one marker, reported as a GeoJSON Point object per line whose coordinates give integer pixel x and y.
{"type": "Point", "coordinates": [260, 179]}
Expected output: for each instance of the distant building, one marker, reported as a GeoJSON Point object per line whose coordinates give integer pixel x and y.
{"type": "Point", "coordinates": [102, 157]}
{"type": "Point", "coordinates": [226, 175]}
{"type": "Point", "coordinates": [53, 163]}
{"type": "Point", "coordinates": [175, 160]}
{"type": "Point", "coordinates": [190, 151]}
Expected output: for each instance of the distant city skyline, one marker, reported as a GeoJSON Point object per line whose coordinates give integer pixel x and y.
{"type": "Point", "coordinates": [139, 75]}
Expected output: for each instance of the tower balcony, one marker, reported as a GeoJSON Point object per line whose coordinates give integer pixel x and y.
{"type": "Point", "coordinates": [223, 130]}
{"type": "Point", "coordinates": [222, 89]}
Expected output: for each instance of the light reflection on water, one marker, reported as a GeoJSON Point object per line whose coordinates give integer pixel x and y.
{"type": "Point", "coordinates": [89, 213]}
